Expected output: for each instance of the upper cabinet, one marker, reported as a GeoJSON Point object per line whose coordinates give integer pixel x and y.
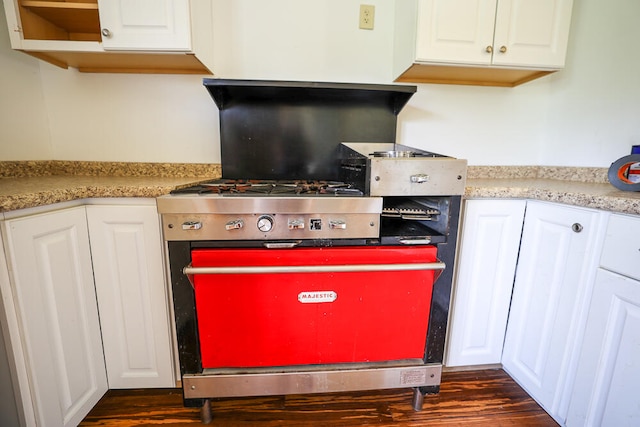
{"type": "Point", "coordinates": [145, 36]}
{"type": "Point", "coordinates": [145, 25]}
{"type": "Point", "coordinates": [480, 42]}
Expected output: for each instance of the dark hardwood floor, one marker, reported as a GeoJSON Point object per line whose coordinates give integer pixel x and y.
{"type": "Point", "coordinates": [468, 398]}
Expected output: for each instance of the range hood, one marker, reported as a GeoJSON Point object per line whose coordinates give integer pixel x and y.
{"type": "Point", "coordinates": [292, 130]}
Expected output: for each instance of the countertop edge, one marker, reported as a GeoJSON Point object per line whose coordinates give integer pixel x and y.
{"type": "Point", "coordinates": [25, 192]}
{"type": "Point", "coordinates": [50, 197]}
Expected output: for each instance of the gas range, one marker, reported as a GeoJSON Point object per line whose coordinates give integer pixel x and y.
{"type": "Point", "coordinates": [314, 264]}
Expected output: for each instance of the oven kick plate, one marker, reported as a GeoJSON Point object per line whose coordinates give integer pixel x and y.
{"type": "Point", "coordinates": [291, 380]}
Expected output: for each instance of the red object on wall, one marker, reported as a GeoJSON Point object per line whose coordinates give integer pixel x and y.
{"type": "Point", "coordinates": [281, 319]}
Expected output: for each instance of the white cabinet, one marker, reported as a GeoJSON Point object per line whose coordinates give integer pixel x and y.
{"type": "Point", "coordinates": [145, 24]}
{"type": "Point", "coordinates": [521, 33]}
{"type": "Point", "coordinates": [605, 391]}
{"type": "Point", "coordinates": [556, 270]}
{"type": "Point", "coordinates": [129, 278]}
{"type": "Point", "coordinates": [486, 262]}
{"type": "Point", "coordinates": [84, 307]}
{"type": "Point", "coordinates": [54, 305]}
{"type": "Point", "coordinates": [152, 36]}
{"type": "Point", "coordinates": [497, 42]}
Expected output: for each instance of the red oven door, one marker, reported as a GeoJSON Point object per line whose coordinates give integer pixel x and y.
{"type": "Point", "coordinates": [310, 311]}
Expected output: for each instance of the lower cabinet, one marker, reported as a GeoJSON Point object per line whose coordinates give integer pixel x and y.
{"type": "Point", "coordinates": [605, 391]}
{"type": "Point", "coordinates": [84, 308]}
{"type": "Point", "coordinates": [489, 244]}
{"type": "Point", "coordinates": [606, 386]}
{"type": "Point", "coordinates": [556, 270]}
{"type": "Point", "coordinates": [55, 307]}
{"type": "Point", "coordinates": [132, 300]}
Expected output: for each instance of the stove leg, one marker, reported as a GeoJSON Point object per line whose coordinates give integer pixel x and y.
{"type": "Point", "coordinates": [205, 412]}
{"type": "Point", "coordinates": [418, 399]}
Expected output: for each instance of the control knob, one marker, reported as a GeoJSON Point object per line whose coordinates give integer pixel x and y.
{"type": "Point", "coordinates": [265, 223]}
{"type": "Point", "coordinates": [236, 224]}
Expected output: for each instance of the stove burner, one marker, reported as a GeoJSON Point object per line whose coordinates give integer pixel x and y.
{"type": "Point", "coordinates": [270, 187]}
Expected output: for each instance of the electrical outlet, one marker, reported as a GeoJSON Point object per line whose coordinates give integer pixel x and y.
{"type": "Point", "coordinates": [367, 13]}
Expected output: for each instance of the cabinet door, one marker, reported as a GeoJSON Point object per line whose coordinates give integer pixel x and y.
{"type": "Point", "coordinates": [455, 31]}
{"type": "Point", "coordinates": [129, 276]}
{"type": "Point", "coordinates": [532, 33]}
{"type": "Point", "coordinates": [556, 269]}
{"type": "Point", "coordinates": [605, 392]}
{"type": "Point", "coordinates": [56, 307]}
{"type": "Point", "coordinates": [621, 251]}
{"type": "Point", "coordinates": [14, 410]}
{"type": "Point", "coordinates": [145, 25]}
{"type": "Point", "coordinates": [486, 269]}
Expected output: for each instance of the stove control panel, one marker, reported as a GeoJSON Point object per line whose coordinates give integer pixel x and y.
{"type": "Point", "coordinates": [270, 226]}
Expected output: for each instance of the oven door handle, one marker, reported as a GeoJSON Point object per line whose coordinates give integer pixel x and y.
{"type": "Point", "coordinates": [281, 245]}
{"type": "Point", "coordinates": [356, 268]}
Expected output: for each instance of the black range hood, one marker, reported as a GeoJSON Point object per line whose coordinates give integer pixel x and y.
{"type": "Point", "coordinates": [292, 130]}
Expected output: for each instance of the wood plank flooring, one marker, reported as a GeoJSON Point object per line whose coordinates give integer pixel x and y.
{"type": "Point", "coordinates": [467, 398]}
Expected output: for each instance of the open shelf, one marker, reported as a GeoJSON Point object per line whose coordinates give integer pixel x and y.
{"type": "Point", "coordinates": [60, 20]}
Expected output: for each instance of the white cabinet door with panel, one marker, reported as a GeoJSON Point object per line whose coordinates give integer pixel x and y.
{"type": "Point", "coordinates": [556, 270]}
{"type": "Point", "coordinates": [55, 305]}
{"type": "Point", "coordinates": [605, 391]}
{"type": "Point", "coordinates": [132, 296]}
{"type": "Point", "coordinates": [531, 33]}
{"type": "Point", "coordinates": [145, 25]}
{"type": "Point", "coordinates": [606, 386]}
{"type": "Point", "coordinates": [457, 31]}
{"type": "Point", "coordinates": [621, 252]}
{"type": "Point", "coordinates": [15, 407]}
{"type": "Point", "coordinates": [487, 260]}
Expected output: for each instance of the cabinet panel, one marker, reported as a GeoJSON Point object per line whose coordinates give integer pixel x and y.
{"type": "Point", "coordinates": [56, 306]}
{"type": "Point", "coordinates": [486, 269]}
{"type": "Point", "coordinates": [145, 25]}
{"type": "Point", "coordinates": [532, 32]}
{"type": "Point", "coordinates": [14, 410]}
{"type": "Point", "coordinates": [555, 273]}
{"type": "Point", "coordinates": [605, 390]}
{"type": "Point", "coordinates": [621, 252]}
{"type": "Point", "coordinates": [127, 259]}
{"type": "Point", "coordinates": [455, 30]}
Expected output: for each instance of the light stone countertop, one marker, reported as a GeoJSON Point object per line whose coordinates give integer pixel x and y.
{"type": "Point", "coordinates": [585, 194]}
{"type": "Point", "coordinates": [28, 192]}
{"type": "Point", "coordinates": [97, 180]}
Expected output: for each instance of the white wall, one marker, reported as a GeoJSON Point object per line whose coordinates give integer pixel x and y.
{"type": "Point", "coordinates": [585, 115]}
{"type": "Point", "coordinates": [594, 104]}
{"type": "Point", "coordinates": [24, 132]}
{"type": "Point", "coordinates": [138, 118]}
